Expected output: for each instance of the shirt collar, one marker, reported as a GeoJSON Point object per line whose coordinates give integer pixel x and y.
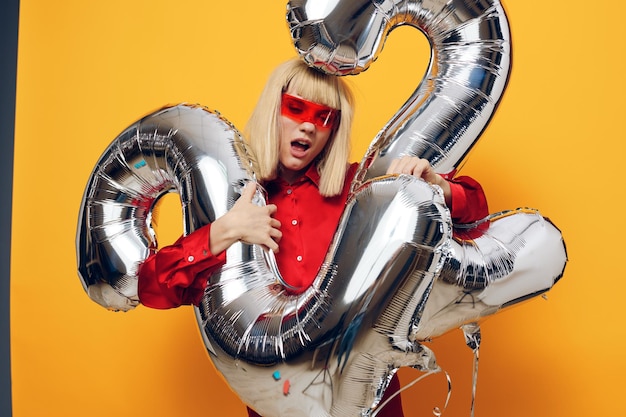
{"type": "Point", "coordinates": [313, 174]}
{"type": "Point", "coordinates": [310, 174]}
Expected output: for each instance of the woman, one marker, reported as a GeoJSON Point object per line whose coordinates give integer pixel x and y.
{"type": "Point", "coordinates": [299, 133]}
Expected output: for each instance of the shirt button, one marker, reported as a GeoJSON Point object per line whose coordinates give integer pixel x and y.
{"type": "Point", "coordinates": [289, 191]}
{"type": "Point", "coordinates": [190, 258]}
{"type": "Point", "coordinates": [299, 258]}
{"type": "Point", "coordinates": [294, 222]}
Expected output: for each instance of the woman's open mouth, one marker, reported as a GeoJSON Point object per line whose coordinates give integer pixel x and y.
{"type": "Point", "coordinates": [299, 148]}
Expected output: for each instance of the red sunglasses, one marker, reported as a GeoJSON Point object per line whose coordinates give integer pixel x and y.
{"type": "Point", "coordinates": [302, 110]}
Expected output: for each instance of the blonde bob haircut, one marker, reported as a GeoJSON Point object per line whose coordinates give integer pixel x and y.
{"type": "Point", "coordinates": [263, 128]}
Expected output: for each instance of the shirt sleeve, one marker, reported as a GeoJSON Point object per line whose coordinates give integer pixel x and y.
{"type": "Point", "coordinates": [469, 202]}
{"type": "Point", "coordinates": [177, 275]}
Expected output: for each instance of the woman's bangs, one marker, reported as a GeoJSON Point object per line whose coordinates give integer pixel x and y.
{"type": "Point", "coordinates": [317, 88]}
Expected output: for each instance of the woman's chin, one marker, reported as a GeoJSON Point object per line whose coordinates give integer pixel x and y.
{"type": "Point", "coordinates": [296, 164]}
{"type": "Point", "coordinates": [292, 171]}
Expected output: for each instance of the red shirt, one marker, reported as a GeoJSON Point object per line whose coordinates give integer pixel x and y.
{"type": "Point", "coordinates": [177, 274]}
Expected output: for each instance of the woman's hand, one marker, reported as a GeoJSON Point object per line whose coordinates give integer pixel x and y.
{"type": "Point", "coordinates": [420, 168]}
{"type": "Point", "coordinates": [246, 222]}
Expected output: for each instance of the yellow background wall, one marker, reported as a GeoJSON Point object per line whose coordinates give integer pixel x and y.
{"type": "Point", "coordinates": [88, 69]}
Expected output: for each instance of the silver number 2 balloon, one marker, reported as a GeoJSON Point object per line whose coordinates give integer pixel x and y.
{"type": "Point", "coordinates": [397, 271]}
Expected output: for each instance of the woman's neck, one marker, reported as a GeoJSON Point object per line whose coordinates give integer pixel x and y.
{"type": "Point", "coordinates": [291, 176]}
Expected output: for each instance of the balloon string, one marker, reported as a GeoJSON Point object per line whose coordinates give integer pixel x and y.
{"type": "Point", "coordinates": [474, 382]}
{"type": "Point", "coordinates": [410, 384]}
{"type": "Point", "coordinates": [472, 340]}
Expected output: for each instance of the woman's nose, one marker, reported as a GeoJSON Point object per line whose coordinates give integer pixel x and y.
{"type": "Point", "coordinates": [307, 126]}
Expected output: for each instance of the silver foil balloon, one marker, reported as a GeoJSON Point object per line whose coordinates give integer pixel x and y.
{"type": "Point", "coordinates": [336, 345]}
{"type": "Point", "coordinates": [185, 149]}
{"type": "Point", "coordinates": [468, 70]}
{"type": "Point", "coordinates": [394, 275]}
{"type": "Point", "coordinates": [518, 256]}
{"type": "Point", "coordinates": [501, 260]}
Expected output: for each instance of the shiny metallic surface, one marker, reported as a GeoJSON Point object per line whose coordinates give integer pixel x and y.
{"type": "Point", "coordinates": [397, 272]}
{"type": "Point", "coordinates": [184, 149]}
{"type": "Point", "coordinates": [339, 342]}
{"type": "Point", "coordinates": [468, 71]}
{"type": "Point", "coordinates": [519, 256]}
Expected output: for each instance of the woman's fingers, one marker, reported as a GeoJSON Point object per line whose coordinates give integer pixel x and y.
{"type": "Point", "coordinates": [248, 192]}
{"type": "Point", "coordinates": [410, 165]}
{"type": "Point", "coordinates": [420, 168]}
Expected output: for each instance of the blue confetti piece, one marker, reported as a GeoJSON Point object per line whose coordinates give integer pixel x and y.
{"type": "Point", "coordinates": [140, 164]}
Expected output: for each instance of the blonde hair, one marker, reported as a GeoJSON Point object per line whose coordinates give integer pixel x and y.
{"type": "Point", "coordinates": [263, 128]}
